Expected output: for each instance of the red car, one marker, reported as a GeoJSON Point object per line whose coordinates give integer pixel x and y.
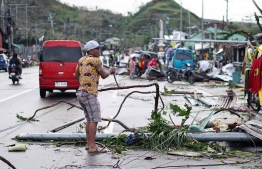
{"type": "Point", "coordinates": [58, 60]}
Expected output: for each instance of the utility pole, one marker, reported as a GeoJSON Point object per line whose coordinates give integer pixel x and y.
{"type": "Point", "coordinates": [64, 30]}
{"type": "Point", "coordinates": [189, 22]}
{"type": "Point", "coordinates": [26, 23]}
{"type": "Point", "coordinates": [227, 11]}
{"type": "Point", "coordinates": [202, 26]}
{"type": "Point", "coordinates": [181, 18]}
{"type": "Point", "coordinates": [3, 15]}
{"type": "Point", "coordinates": [10, 30]}
{"type": "Point", "coordinates": [52, 24]}
{"type": "Point", "coordinates": [36, 32]}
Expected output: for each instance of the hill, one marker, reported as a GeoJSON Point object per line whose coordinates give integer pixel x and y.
{"type": "Point", "coordinates": [83, 24]}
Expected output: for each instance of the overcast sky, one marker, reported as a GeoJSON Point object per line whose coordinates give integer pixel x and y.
{"type": "Point", "coordinates": [238, 10]}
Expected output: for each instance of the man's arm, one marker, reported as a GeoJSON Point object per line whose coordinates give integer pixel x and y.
{"type": "Point", "coordinates": [104, 74]}
{"type": "Point", "coordinates": [77, 74]}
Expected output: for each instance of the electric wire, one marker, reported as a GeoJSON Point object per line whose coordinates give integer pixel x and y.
{"type": "Point", "coordinates": [32, 117]}
{"type": "Point", "coordinates": [203, 165]}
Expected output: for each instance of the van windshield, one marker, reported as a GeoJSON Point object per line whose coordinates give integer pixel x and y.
{"type": "Point", "coordinates": [61, 54]}
{"type": "Point", "coordinates": [184, 56]}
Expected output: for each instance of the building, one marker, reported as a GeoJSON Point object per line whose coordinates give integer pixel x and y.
{"type": "Point", "coordinates": [113, 43]}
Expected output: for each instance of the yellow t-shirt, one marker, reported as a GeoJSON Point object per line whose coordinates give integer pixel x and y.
{"type": "Point", "coordinates": [88, 68]}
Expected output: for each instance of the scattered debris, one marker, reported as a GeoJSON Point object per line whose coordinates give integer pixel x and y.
{"type": "Point", "coordinates": [20, 147]}
{"type": "Point", "coordinates": [185, 153]}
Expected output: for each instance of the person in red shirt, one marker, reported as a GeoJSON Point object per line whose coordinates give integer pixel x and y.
{"type": "Point", "coordinates": [153, 63]}
{"type": "Point", "coordinates": [254, 81]}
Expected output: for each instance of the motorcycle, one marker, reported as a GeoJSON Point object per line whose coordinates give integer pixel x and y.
{"type": "Point", "coordinates": [25, 63]}
{"type": "Point", "coordinates": [14, 74]}
{"type": "Point", "coordinates": [139, 71]}
{"type": "Point", "coordinates": [187, 74]}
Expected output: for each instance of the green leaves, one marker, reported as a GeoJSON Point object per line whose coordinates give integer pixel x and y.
{"type": "Point", "coordinates": [166, 91]}
{"type": "Point", "coordinates": [24, 118]}
{"type": "Point", "coordinates": [158, 123]}
{"type": "Point", "coordinates": [181, 112]}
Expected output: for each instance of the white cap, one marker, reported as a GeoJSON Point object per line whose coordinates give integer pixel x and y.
{"type": "Point", "coordinates": [92, 45]}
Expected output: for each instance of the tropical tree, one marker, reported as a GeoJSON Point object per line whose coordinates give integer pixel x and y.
{"type": "Point", "coordinates": [256, 16]}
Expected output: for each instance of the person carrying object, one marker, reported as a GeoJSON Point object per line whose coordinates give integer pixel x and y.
{"type": "Point", "coordinates": [16, 62]}
{"type": "Point", "coordinates": [88, 72]}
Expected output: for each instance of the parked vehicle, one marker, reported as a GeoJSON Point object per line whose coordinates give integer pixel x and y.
{"type": "Point", "coordinates": [25, 63]}
{"type": "Point", "coordinates": [58, 60]}
{"type": "Point", "coordinates": [187, 74]}
{"type": "Point", "coordinates": [14, 73]}
{"type": "Point", "coordinates": [181, 57]}
{"type": "Point", "coordinates": [3, 62]}
{"type": "Point", "coordinates": [142, 59]}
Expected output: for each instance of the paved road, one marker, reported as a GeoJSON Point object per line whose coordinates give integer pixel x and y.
{"type": "Point", "coordinates": [24, 99]}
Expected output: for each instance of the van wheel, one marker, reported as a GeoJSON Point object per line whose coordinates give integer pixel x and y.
{"type": "Point", "coordinates": [42, 93]}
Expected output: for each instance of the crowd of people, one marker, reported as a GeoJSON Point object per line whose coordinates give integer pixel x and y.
{"type": "Point", "coordinates": [143, 63]}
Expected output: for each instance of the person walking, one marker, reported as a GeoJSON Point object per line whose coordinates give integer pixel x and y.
{"type": "Point", "coordinates": [132, 67]}
{"type": "Point", "coordinates": [88, 72]}
{"type": "Point", "coordinates": [169, 54]}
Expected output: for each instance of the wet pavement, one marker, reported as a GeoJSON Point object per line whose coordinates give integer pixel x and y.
{"type": "Point", "coordinates": [134, 113]}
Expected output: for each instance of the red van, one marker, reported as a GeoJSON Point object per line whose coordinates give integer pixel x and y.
{"type": "Point", "coordinates": [58, 60]}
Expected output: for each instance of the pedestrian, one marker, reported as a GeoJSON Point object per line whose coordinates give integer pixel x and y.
{"type": "Point", "coordinates": [169, 55]}
{"type": "Point", "coordinates": [88, 72]}
{"type": "Point", "coordinates": [132, 67]}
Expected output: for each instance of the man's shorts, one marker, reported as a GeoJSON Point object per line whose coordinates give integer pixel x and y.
{"type": "Point", "coordinates": [90, 105]}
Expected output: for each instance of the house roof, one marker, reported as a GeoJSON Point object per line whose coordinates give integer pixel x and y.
{"type": "Point", "coordinates": [219, 35]}
{"type": "Point", "coordinates": [209, 30]}
{"type": "Point", "coordinates": [237, 37]}
{"type": "Point", "coordinates": [113, 38]}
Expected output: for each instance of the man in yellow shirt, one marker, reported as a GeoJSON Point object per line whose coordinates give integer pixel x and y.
{"type": "Point", "coordinates": [88, 72]}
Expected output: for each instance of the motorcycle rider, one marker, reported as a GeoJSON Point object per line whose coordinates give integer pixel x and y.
{"type": "Point", "coordinates": [153, 63]}
{"type": "Point", "coordinates": [16, 61]}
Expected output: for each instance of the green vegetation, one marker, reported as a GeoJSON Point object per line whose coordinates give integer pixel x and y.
{"type": "Point", "coordinates": [82, 24]}
{"type": "Point", "coordinates": [22, 118]}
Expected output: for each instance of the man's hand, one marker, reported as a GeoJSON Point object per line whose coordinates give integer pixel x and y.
{"type": "Point", "coordinates": [112, 70]}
